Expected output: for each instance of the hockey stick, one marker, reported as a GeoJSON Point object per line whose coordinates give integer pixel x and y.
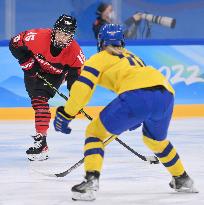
{"type": "Point", "coordinates": [76, 165]}
{"type": "Point", "coordinates": [150, 159]}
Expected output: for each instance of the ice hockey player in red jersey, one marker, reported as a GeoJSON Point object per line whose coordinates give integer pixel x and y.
{"type": "Point", "coordinates": [55, 55]}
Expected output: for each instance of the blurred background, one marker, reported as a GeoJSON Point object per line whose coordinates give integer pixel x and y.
{"type": "Point", "coordinates": [178, 52]}
{"type": "Point", "coordinates": [20, 15]}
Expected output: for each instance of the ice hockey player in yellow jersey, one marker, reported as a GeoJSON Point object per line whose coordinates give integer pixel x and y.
{"type": "Point", "coordinates": [144, 97]}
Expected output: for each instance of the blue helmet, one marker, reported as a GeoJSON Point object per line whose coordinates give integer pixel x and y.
{"type": "Point", "coordinates": [111, 34]}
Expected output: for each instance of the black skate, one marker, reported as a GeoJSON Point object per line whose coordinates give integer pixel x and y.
{"type": "Point", "coordinates": [86, 191]}
{"type": "Point", "coordinates": [39, 151]}
{"type": "Point", "coordinates": [183, 183]}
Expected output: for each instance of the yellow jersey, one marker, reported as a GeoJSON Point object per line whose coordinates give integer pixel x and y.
{"type": "Point", "coordinates": [118, 73]}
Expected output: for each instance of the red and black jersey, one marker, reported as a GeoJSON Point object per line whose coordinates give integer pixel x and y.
{"type": "Point", "coordinates": [38, 41]}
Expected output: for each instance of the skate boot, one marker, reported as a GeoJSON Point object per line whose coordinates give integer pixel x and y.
{"type": "Point", "coordinates": [183, 183]}
{"type": "Point", "coordinates": [39, 151]}
{"type": "Point", "coordinates": [86, 190]}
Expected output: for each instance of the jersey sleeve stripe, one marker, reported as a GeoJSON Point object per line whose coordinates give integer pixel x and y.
{"type": "Point", "coordinates": [91, 70]}
{"type": "Point", "coordinates": [86, 81]}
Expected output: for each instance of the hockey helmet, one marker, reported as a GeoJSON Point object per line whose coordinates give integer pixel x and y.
{"type": "Point", "coordinates": [111, 34]}
{"type": "Point", "coordinates": [67, 24]}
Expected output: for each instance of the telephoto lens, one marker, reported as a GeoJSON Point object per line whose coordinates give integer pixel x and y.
{"type": "Point", "coordinates": [162, 20]}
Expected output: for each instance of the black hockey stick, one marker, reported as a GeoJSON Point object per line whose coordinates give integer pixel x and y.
{"type": "Point", "coordinates": [151, 159]}
{"type": "Point", "coordinates": [76, 165]}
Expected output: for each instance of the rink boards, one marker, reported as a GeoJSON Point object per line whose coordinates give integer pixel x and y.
{"type": "Point", "coordinates": [180, 111]}
{"type": "Point", "coordinates": [183, 66]}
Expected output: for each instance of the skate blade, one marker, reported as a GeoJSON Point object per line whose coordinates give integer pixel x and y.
{"type": "Point", "coordinates": [88, 196]}
{"type": "Point", "coordinates": [38, 157]}
{"type": "Point", "coordinates": [187, 190]}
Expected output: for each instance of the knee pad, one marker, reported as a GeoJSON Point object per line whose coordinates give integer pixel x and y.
{"type": "Point", "coordinates": [154, 145]}
{"type": "Point", "coordinates": [96, 129]}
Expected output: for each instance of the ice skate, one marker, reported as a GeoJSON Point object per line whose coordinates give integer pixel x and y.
{"type": "Point", "coordinates": [183, 183]}
{"type": "Point", "coordinates": [39, 151]}
{"type": "Point", "coordinates": [86, 191]}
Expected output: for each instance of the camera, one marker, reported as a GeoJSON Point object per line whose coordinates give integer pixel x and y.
{"type": "Point", "coordinates": [162, 20]}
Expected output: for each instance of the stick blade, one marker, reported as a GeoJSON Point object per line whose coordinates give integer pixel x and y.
{"type": "Point", "coordinates": [152, 159]}
{"type": "Point", "coordinates": [45, 173]}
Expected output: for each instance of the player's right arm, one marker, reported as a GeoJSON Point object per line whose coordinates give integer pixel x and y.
{"type": "Point", "coordinates": [23, 48]}
{"type": "Point", "coordinates": [21, 52]}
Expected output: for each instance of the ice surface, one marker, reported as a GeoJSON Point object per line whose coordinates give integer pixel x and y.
{"type": "Point", "coordinates": [125, 179]}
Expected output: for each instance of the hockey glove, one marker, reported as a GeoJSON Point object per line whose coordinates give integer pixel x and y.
{"type": "Point", "coordinates": [46, 66]}
{"type": "Point", "coordinates": [62, 120]}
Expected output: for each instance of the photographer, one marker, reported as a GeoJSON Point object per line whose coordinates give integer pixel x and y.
{"type": "Point", "coordinates": [137, 26]}
{"type": "Point", "coordinates": [105, 15]}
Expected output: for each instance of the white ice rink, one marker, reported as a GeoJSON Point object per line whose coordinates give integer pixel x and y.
{"type": "Point", "coordinates": [125, 179]}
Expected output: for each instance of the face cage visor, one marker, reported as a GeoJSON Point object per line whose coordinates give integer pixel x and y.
{"type": "Point", "coordinates": [62, 44]}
